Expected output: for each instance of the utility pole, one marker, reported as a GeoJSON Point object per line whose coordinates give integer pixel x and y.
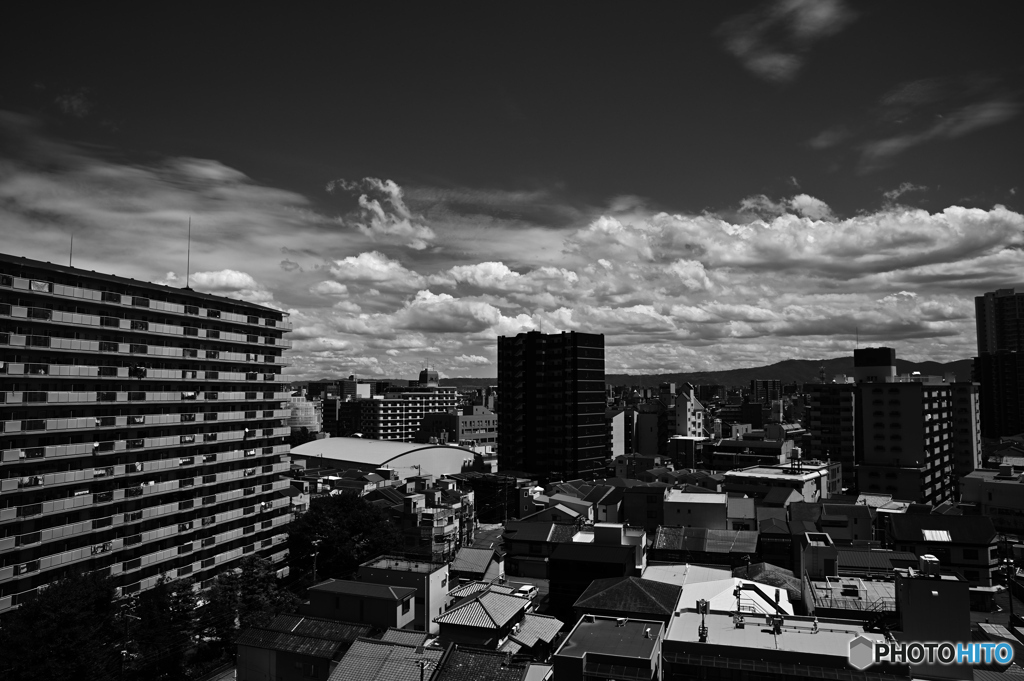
{"type": "Point", "coordinates": [1008, 564]}
{"type": "Point", "coordinates": [316, 552]}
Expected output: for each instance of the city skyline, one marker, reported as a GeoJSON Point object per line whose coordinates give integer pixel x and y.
{"type": "Point", "coordinates": [713, 187]}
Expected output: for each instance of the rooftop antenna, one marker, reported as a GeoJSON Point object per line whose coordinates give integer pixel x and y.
{"type": "Point", "coordinates": [188, 256]}
{"type": "Point", "coordinates": [71, 253]}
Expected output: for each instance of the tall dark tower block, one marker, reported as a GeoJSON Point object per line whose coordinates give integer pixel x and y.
{"type": "Point", "coordinates": [551, 419]}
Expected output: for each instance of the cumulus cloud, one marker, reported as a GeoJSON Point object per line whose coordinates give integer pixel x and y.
{"type": "Point", "coordinates": [383, 214]}
{"type": "Point", "coordinates": [770, 278]}
{"type": "Point", "coordinates": [772, 41]}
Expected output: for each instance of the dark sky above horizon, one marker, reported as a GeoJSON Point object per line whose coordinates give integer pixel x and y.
{"type": "Point", "coordinates": [710, 185]}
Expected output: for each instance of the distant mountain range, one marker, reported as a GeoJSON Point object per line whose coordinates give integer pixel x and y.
{"type": "Point", "coordinates": [788, 371]}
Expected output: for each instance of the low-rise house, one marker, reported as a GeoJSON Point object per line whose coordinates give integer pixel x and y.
{"type": "Point", "coordinates": [845, 523]}
{"type": "Point", "coordinates": [379, 605]}
{"type": "Point", "coordinates": [483, 620]}
{"type": "Point", "coordinates": [477, 565]}
{"type": "Point", "coordinates": [610, 648]}
{"type": "Point", "coordinates": [997, 494]}
{"type": "Point", "coordinates": [534, 636]}
{"type": "Point", "coordinates": [294, 648]}
{"type": "Point", "coordinates": [429, 579]}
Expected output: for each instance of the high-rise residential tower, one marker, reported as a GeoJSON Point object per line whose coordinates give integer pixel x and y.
{"type": "Point", "coordinates": [551, 416]}
{"type": "Point", "coordinates": [999, 366]}
{"type": "Point", "coordinates": [143, 430]}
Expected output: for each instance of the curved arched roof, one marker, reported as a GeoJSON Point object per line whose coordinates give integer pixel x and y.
{"type": "Point", "coordinates": [369, 452]}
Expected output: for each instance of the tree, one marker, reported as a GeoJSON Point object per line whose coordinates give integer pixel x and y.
{"type": "Point", "coordinates": [248, 597]}
{"type": "Point", "coordinates": [165, 633]}
{"type": "Point", "coordinates": [349, 531]}
{"type": "Point", "coordinates": [72, 629]}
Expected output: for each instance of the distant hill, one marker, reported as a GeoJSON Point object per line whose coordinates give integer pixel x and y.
{"type": "Point", "coordinates": [787, 371]}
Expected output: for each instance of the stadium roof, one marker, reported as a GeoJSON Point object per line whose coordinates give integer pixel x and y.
{"type": "Point", "coordinates": [368, 452]}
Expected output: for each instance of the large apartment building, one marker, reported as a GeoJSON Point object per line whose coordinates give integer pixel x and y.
{"type": "Point", "coordinates": [142, 430]}
{"type": "Point", "coordinates": [551, 416]}
{"type": "Point", "coordinates": [395, 415]}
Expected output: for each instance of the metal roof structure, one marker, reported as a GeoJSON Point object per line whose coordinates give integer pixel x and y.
{"type": "Point", "coordinates": [357, 452]}
{"type": "Point", "coordinates": [705, 540]}
{"type": "Point", "coordinates": [630, 595]}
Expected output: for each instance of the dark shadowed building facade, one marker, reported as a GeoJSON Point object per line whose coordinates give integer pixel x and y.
{"type": "Point", "coordinates": [551, 418]}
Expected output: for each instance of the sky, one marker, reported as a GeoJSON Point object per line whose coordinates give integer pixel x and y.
{"type": "Point", "coordinates": [710, 185]}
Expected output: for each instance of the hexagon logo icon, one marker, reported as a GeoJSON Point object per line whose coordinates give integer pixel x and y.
{"type": "Point", "coordinates": [861, 652]}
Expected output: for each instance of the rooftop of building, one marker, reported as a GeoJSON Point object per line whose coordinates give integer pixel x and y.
{"type": "Point", "coordinates": [612, 637]}
{"type": "Point", "coordinates": [798, 634]}
{"type": "Point", "coordinates": [955, 529]}
{"type": "Point", "coordinates": [377, 660]}
{"type": "Point", "coordinates": [472, 664]}
{"type": "Point", "coordinates": [709, 498]}
{"type": "Point", "coordinates": [684, 574]}
{"type": "Point", "coordinates": [170, 291]}
{"type": "Point", "coordinates": [368, 452]}
{"type": "Point", "coordinates": [780, 472]}
{"type": "Point", "coordinates": [704, 540]}
{"type": "Point", "coordinates": [310, 636]}
{"type": "Point", "coordinates": [407, 637]}
{"type": "Point", "coordinates": [593, 553]}
{"type": "Point", "coordinates": [486, 609]}
{"type": "Point", "coordinates": [633, 595]}
{"type": "Point", "coordinates": [364, 589]}
{"type": "Point", "coordinates": [473, 560]}
{"type": "Point", "coordinates": [404, 564]}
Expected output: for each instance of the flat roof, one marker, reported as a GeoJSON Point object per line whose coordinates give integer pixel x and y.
{"type": "Point", "coordinates": [783, 473]}
{"type": "Point", "coordinates": [607, 636]}
{"type": "Point", "coordinates": [798, 636]}
{"type": "Point", "coordinates": [681, 497]}
{"type": "Point", "coordinates": [366, 589]}
{"type": "Point", "coordinates": [405, 564]}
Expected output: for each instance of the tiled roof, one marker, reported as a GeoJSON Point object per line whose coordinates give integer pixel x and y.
{"type": "Point", "coordinates": [368, 589]}
{"type": "Point", "coordinates": [702, 539]}
{"type": "Point", "coordinates": [510, 646]}
{"type": "Point", "coordinates": [372, 660]}
{"type": "Point", "coordinates": [630, 595]}
{"type": "Point", "coordinates": [469, 664]}
{"type": "Point", "coordinates": [471, 588]}
{"type": "Point", "coordinates": [489, 610]}
{"type": "Point", "coordinates": [303, 635]}
{"type": "Point", "coordinates": [773, 526]}
{"type": "Point", "coordinates": [536, 628]}
{"type": "Point", "coordinates": [404, 636]}
{"type": "Point", "coordinates": [316, 627]}
{"type": "Point", "coordinates": [472, 560]}
{"type": "Point", "coordinates": [561, 532]}
{"type": "Point", "coordinates": [962, 529]}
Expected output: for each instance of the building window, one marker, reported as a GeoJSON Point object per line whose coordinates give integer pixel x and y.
{"type": "Point", "coordinates": [406, 606]}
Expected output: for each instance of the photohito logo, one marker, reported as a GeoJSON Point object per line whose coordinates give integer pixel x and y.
{"type": "Point", "coordinates": [865, 652]}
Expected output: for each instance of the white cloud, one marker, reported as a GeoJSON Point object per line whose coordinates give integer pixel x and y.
{"type": "Point", "coordinates": [780, 277]}
{"type": "Point", "coordinates": [772, 41]}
